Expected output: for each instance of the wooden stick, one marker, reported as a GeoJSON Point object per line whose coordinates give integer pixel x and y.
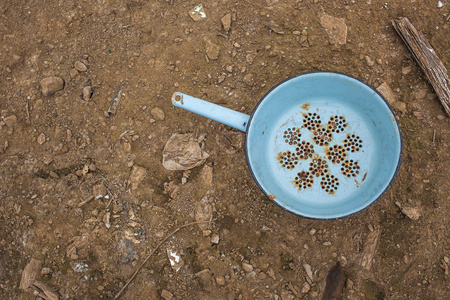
{"type": "Point", "coordinates": [86, 201]}
{"type": "Point", "coordinates": [151, 253]}
{"type": "Point", "coordinates": [427, 59]}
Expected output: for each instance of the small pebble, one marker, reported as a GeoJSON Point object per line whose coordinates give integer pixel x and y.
{"type": "Point", "coordinates": [87, 93]}
{"type": "Point", "coordinates": [220, 280]}
{"type": "Point", "coordinates": [166, 295]}
{"type": "Point", "coordinates": [158, 113]}
{"type": "Point", "coordinates": [50, 85]}
{"type": "Point", "coordinates": [10, 121]}
{"type": "Point", "coordinates": [215, 239]}
{"type": "Point", "coordinates": [212, 50]}
{"type": "Point", "coordinates": [369, 61]}
{"type": "Point", "coordinates": [248, 79]}
{"type": "Point", "coordinates": [41, 139]}
{"type": "Point", "coordinates": [306, 287]}
{"type": "Point", "coordinates": [17, 58]}
{"type": "Point", "coordinates": [73, 73]}
{"type": "Point", "coordinates": [80, 66]}
{"type": "Point", "coordinates": [247, 267]}
{"type": "Point", "coordinates": [46, 271]}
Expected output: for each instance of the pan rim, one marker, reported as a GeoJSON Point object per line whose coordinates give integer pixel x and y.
{"type": "Point", "coordinates": [392, 179]}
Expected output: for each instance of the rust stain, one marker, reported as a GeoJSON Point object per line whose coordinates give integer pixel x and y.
{"type": "Point", "coordinates": [331, 192]}
{"type": "Point", "coordinates": [306, 106]}
{"type": "Point", "coordinates": [364, 177]}
{"type": "Point", "coordinates": [272, 197]}
{"type": "Point", "coordinates": [280, 156]}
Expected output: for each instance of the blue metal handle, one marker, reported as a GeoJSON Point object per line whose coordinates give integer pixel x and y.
{"type": "Point", "coordinates": [212, 111]}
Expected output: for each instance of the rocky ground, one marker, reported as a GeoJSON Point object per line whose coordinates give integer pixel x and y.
{"type": "Point", "coordinates": [84, 194]}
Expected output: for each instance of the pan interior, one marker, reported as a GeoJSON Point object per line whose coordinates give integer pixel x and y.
{"type": "Point", "coordinates": [323, 145]}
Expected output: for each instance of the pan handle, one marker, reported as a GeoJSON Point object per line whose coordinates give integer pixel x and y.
{"type": "Point", "coordinates": [212, 111]}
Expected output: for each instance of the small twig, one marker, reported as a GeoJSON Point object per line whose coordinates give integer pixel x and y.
{"type": "Point", "coordinates": [28, 112]}
{"type": "Point", "coordinates": [86, 201]}
{"type": "Point", "coordinates": [113, 196]}
{"type": "Point", "coordinates": [434, 136]}
{"type": "Point", "coordinates": [222, 35]}
{"type": "Point", "coordinates": [151, 253]}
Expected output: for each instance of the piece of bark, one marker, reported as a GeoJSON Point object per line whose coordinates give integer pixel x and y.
{"type": "Point", "coordinates": [370, 248]}
{"type": "Point", "coordinates": [335, 283]}
{"type": "Point", "coordinates": [427, 59]}
{"type": "Point", "coordinates": [49, 293]}
{"type": "Point", "coordinates": [29, 273]}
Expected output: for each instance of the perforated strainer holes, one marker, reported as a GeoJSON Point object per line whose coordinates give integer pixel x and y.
{"type": "Point", "coordinates": [288, 159]}
{"type": "Point", "coordinates": [318, 167]}
{"type": "Point", "coordinates": [303, 180]}
{"type": "Point", "coordinates": [336, 124]}
{"type": "Point", "coordinates": [311, 121]}
{"type": "Point", "coordinates": [292, 136]}
{"type": "Point", "coordinates": [322, 136]}
{"type": "Point", "coordinates": [336, 154]}
{"type": "Point", "coordinates": [304, 150]}
{"type": "Point", "coordinates": [350, 168]}
{"type": "Point", "coordinates": [352, 143]}
{"type": "Point", "coordinates": [329, 183]}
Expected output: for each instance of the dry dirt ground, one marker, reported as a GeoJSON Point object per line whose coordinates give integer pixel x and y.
{"type": "Point", "coordinates": [59, 152]}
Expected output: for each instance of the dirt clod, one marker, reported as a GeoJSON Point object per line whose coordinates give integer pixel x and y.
{"type": "Point", "coordinates": [212, 49]}
{"type": "Point", "coordinates": [51, 85]}
{"type": "Point", "coordinates": [226, 22]}
{"type": "Point", "coordinates": [137, 175]}
{"type": "Point", "coordinates": [335, 28]}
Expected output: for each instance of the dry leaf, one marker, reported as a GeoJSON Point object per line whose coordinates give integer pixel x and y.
{"type": "Point", "coordinates": [335, 283]}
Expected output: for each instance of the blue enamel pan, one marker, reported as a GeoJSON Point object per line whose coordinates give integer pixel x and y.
{"type": "Point", "coordinates": [321, 145]}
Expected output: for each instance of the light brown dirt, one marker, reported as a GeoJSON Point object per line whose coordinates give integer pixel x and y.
{"type": "Point", "coordinates": [58, 147]}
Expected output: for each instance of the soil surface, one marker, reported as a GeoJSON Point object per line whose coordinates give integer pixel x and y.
{"type": "Point", "coordinates": [84, 195]}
